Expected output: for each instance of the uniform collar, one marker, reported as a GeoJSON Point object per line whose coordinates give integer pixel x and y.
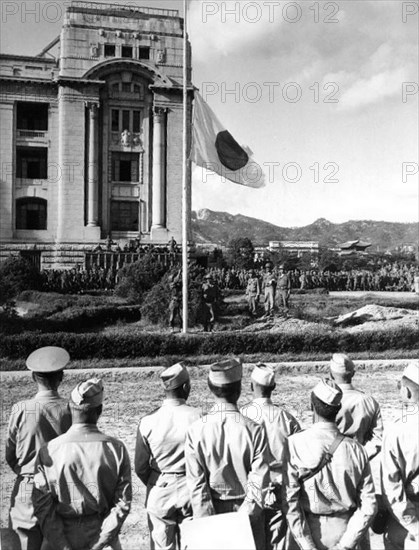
{"type": "Point", "coordinates": [47, 393]}
{"type": "Point", "coordinates": [173, 402]}
{"type": "Point", "coordinates": [325, 426]}
{"type": "Point", "coordinates": [344, 387]}
{"type": "Point", "coordinates": [83, 427]}
{"type": "Point", "coordinates": [223, 407]}
{"type": "Point", "coordinates": [263, 401]}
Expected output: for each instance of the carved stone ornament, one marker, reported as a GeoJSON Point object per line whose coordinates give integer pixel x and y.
{"type": "Point", "coordinates": [126, 138]}
{"type": "Point", "coordinates": [161, 56]}
{"type": "Point", "coordinates": [94, 50]}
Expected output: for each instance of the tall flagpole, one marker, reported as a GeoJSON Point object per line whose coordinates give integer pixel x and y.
{"type": "Point", "coordinates": [185, 208]}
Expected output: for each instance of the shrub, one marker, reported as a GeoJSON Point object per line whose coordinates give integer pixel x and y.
{"type": "Point", "coordinates": [17, 275]}
{"type": "Point", "coordinates": [155, 307]}
{"type": "Point", "coordinates": [137, 278]}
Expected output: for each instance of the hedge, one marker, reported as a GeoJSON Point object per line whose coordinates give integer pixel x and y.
{"type": "Point", "coordinates": [120, 345]}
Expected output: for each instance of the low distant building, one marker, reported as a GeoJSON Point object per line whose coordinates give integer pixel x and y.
{"type": "Point", "coordinates": [352, 248]}
{"type": "Point", "coordinates": [295, 247]}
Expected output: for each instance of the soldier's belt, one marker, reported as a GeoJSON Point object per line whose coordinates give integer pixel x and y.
{"type": "Point", "coordinates": [339, 514]}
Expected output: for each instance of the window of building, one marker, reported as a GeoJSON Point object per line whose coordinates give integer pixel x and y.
{"type": "Point", "coordinates": [126, 51]}
{"type": "Point", "coordinates": [144, 53]}
{"type": "Point", "coordinates": [125, 120]}
{"type": "Point", "coordinates": [110, 50]}
{"type": "Point", "coordinates": [136, 121]}
{"type": "Point", "coordinates": [32, 162]}
{"type": "Point", "coordinates": [115, 120]}
{"type": "Point", "coordinates": [124, 215]}
{"type": "Point", "coordinates": [32, 116]}
{"type": "Point", "coordinates": [125, 167]}
{"type": "Point", "coordinates": [126, 87]}
{"type": "Point", "coordinates": [31, 213]}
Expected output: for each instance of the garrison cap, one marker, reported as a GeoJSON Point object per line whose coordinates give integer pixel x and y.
{"type": "Point", "coordinates": [341, 364]}
{"type": "Point", "coordinates": [328, 392]}
{"type": "Point", "coordinates": [88, 393]}
{"type": "Point", "coordinates": [412, 372]}
{"type": "Point", "coordinates": [174, 376]}
{"type": "Point", "coordinates": [263, 375]}
{"type": "Point", "coordinates": [48, 359]}
{"type": "Point", "coordinates": [225, 372]}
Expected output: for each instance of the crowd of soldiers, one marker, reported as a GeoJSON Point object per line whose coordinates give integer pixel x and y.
{"type": "Point", "coordinates": [391, 277]}
{"type": "Point", "coordinates": [307, 489]}
{"type": "Point", "coordinates": [78, 280]}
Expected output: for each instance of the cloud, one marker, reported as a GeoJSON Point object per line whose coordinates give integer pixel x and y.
{"type": "Point", "coordinates": [371, 90]}
{"type": "Point", "coordinates": [227, 27]}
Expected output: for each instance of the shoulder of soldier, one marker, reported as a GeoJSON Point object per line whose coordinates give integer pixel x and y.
{"type": "Point", "coordinates": [21, 406]}
{"type": "Point", "coordinates": [149, 418]}
{"type": "Point", "coordinates": [288, 416]}
{"type": "Point", "coordinates": [401, 427]}
{"type": "Point", "coordinates": [299, 437]}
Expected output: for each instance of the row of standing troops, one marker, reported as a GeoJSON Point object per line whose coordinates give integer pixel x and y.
{"type": "Point", "coordinates": [308, 489]}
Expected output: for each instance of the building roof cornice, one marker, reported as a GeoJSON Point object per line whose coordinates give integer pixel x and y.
{"type": "Point", "coordinates": [28, 58]}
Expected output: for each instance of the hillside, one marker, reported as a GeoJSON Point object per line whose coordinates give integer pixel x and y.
{"type": "Point", "coordinates": [219, 227]}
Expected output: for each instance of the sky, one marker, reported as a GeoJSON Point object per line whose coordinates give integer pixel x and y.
{"type": "Point", "coordinates": [324, 93]}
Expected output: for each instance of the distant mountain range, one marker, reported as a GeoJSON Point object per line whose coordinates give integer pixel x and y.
{"type": "Point", "coordinates": [219, 227]}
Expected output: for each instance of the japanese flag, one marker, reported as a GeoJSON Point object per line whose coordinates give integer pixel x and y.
{"type": "Point", "coordinates": [215, 149]}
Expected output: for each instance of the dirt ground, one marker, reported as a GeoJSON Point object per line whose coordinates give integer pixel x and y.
{"type": "Point", "coordinates": [130, 395]}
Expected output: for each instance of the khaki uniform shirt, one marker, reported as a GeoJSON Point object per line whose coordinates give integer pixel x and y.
{"type": "Point", "coordinates": [284, 282]}
{"type": "Point", "coordinates": [400, 469]}
{"type": "Point", "coordinates": [278, 423]}
{"type": "Point", "coordinates": [160, 446]}
{"type": "Point", "coordinates": [82, 473]}
{"type": "Point", "coordinates": [227, 458]}
{"type": "Point", "coordinates": [268, 282]}
{"type": "Point", "coordinates": [253, 287]}
{"type": "Point", "coordinates": [360, 418]}
{"type": "Point", "coordinates": [344, 485]}
{"type": "Point", "coordinates": [32, 424]}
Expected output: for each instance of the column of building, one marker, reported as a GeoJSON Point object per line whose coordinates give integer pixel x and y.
{"type": "Point", "coordinates": [92, 173]}
{"type": "Point", "coordinates": [158, 228]}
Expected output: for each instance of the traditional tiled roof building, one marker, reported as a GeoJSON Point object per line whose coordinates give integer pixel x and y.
{"type": "Point", "coordinates": [91, 140]}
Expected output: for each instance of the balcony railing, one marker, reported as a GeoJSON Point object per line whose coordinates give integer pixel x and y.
{"type": "Point", "coordinates": [116, 260]}
{"type": "Point", "coordinates": [32, 134]}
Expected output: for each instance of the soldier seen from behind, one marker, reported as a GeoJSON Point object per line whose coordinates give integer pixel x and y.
{"type": "Point", "coordinates": [278, 424]}
{"type": "Point", "coordinates": [82, 487]}
{"type": "Point", "coordinates": [329, 490]}
{"type": "Point", "coordinates": [33, 423]}
{"type": "Point", "coordinates": [400, 467]}
{"type": "Point", "coordinates": [227, 455]}
{"type": "Point", "coordinates": [160, 459]}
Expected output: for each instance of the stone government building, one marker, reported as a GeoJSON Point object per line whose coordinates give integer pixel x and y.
{"type": "Point", "coordinates": [91, 136]}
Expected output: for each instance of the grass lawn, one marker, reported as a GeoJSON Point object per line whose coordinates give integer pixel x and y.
{"type": "Point", "coordinates": [130, 395]}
